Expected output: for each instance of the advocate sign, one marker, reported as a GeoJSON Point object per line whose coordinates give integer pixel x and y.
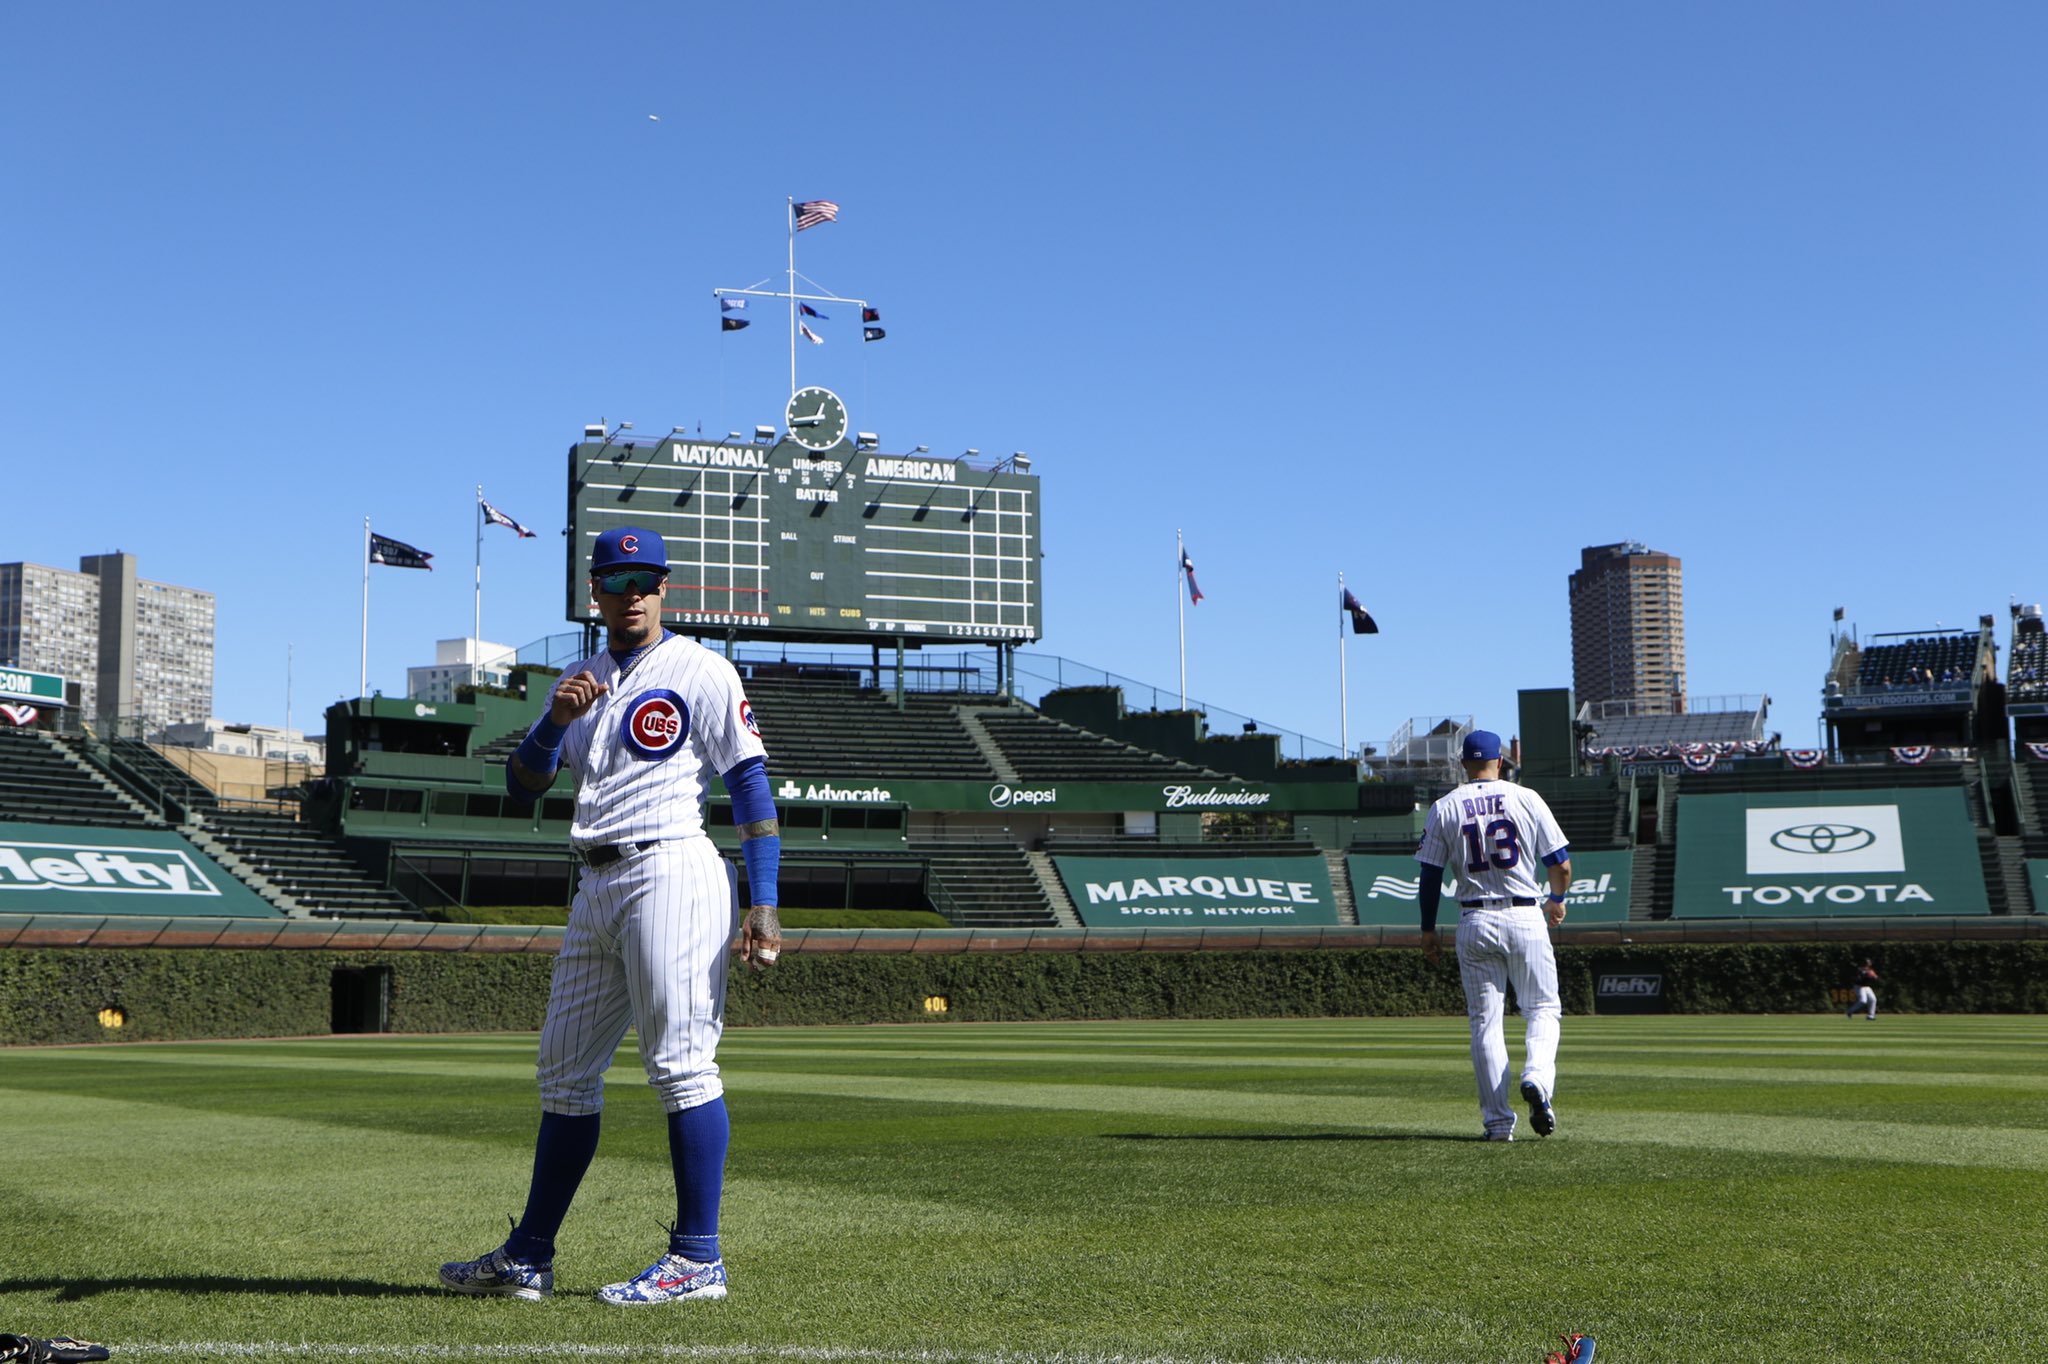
{"type": "Point", "coordinates": [1204, 892]}
{"type": "Point", "coordinates": [1813, 855]}
{"type": "Point", "coordinates": [70, 869]}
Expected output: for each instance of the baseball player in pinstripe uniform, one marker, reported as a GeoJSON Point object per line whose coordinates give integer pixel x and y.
{"type": "Point", "coordinates": [1493, 835]}
{"type": "Point", "coordinates": [642, 724]}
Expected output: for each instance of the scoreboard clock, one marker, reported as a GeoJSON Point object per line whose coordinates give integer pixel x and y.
{"type": "Point", "coordinates": [808, 537]}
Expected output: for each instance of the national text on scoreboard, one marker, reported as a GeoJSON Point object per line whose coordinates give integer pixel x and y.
{"type": "Point", "coordinates": [771, 540]}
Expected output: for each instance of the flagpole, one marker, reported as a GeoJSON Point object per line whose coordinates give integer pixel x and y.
{"type": "Point", "coordinates": [792, 293]}
{"type": "Point", "coordinates": [363, 673]}
{"type": "Point", "coordinates": [1180, 558]}
{"type": "Point", "coordinates": [1343, 679]}
{"type": "Point", "coordinates": [479, 631]}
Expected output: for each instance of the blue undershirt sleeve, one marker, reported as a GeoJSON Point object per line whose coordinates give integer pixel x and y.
{"type": "Point", "coordinates": [747, 783]}
{"type": "Point", "coordinates": [1428, 892]}
{"type": "Point", "coordinates": [539, 752]}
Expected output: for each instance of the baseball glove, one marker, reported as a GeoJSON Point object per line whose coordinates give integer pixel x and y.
{"type": "Point", "coordinates": [1578, 1349]}
{"type": "Point", "coordinates": [55, 1350]}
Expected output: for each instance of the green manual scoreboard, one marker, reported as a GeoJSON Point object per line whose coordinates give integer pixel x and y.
{"type": "Point", "coordinates": [815, 534]}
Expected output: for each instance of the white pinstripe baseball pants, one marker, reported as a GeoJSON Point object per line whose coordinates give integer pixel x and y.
{"type": "Point", "coordinates": [1496, 946]}
{"type": "Point", "coordinates": [648, 944]}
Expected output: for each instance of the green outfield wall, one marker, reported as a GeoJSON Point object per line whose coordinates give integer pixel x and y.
{"type": "Point", "coordinates": [86, 995]}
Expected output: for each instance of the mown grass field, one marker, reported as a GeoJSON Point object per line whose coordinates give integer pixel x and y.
{"type": "Point", "coordinates": [1721, 1189]}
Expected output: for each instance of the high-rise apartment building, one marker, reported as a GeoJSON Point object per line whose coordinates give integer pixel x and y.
{"type": "Point", "coordinates": [141, 651]}
{"type": "Point", "coordinates": [1628, 627]}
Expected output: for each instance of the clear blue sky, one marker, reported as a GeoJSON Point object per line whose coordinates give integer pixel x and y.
{"type": "Point", "coordinates": [1431, 296]}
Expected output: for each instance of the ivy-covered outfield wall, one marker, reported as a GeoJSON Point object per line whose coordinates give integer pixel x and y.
{"type": "Point", "coordinates": [62, 995]}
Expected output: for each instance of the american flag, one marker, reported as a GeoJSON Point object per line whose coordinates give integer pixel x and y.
{"type": "Point", "coordinates": [497, 518]}
{"type": "Point", "coordinates": [811, 212]}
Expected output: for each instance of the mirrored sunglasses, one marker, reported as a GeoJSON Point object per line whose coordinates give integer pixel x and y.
{"type": "Point", "coordinates": [640, 580]}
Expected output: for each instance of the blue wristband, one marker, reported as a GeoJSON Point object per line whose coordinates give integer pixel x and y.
{"type": "Point", "coordinates": [764, 861]}
{"type": "Point", "coordinates": [540, 752]}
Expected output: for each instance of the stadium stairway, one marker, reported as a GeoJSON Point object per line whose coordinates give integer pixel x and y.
{"type": "Point", "coordinates": [990, 886]}
{"type": "Point", "coordinates": [970, 720]}
{"type": "Point", "coordinates": [1653, 881]}
{"type": "Point", "coordinates": [1340, 887]}
{"type": "Point", "coordinates": [176, 785]}
{"type": "Point", "coordinates": [1055, 890]}
{"type": "Point", "coordinates": [48, 780]}
{"type": "Point", "coordinates": [314, 871]}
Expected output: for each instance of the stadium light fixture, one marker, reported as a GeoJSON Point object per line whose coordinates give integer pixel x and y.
{"type": "Point", "coordinates": [866, 440]}
{"type": "Point", "coordinates": [1021, 462]}
{"type": "Point", "coordinates": [764, 435]}
{"type": "Point", "coordinates": [970, 453]}
{"type": "Point", "coordinates": [926, 449]}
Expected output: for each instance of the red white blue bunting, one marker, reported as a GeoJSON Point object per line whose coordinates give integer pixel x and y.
{"type": "Point", "coordinates": [1912, 755]}
{"type": "Point", "coordinates": [19, 715]}
{"type": "Point", "coordinates": [1804, 757]}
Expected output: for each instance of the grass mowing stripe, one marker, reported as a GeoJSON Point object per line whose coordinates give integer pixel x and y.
{"type": "Point", "coordinates": [224, 1211]}
{"type": "Point", "coordinates": [824, 1354]}
{"type": "Point", "coordinates": [1826, 1138]}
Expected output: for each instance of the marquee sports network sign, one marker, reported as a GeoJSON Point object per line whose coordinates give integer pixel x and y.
{"type": "Point", "coordinates": [1199, 892]}
{"type": "Point", "coordinates": [63, 869]}
{"type": "Point", "coordinates": [1811, 856]}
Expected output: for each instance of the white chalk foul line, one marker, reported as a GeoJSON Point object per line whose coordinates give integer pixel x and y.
{"type": "Point", "coordinates": [805, 1354]}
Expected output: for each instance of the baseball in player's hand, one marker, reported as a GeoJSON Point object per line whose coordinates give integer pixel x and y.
{"type": "Point", "coordinates": [1432, 947]}
{"type": "Point", "coordinates": [575, 696]}
{"type": "Point", "coordinates": [761, 937]}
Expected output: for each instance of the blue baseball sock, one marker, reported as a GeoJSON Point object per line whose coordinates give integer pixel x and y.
{"type": "Point", "coordinates": [697, 1138]}
{"type": "Point", "coordinates": [561, 1154]}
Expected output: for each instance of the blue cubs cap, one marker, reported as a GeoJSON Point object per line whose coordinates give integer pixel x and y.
{"type": "Point", "coordinates": [1481, 746]}
{"type": "Point", "coordinates": [627, 547]}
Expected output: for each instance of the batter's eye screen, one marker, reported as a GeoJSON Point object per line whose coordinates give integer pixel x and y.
{"type": "Point", "coordinates": [640, 580]}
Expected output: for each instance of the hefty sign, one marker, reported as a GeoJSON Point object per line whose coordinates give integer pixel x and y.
{"type": "Point", "coordinates": [109, 871]}
{"type": "Point", "coordinates": [59, 869]}
{"type": "Point", "coordinates": [656, 724]}
{"type": "Point", "coordinates": [1630, 992]}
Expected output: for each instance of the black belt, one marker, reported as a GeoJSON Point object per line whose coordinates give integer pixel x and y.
{"type": "Point", "coordinates": [1519, 902]}
{"type": "Point", "coordinates": [604, 856]}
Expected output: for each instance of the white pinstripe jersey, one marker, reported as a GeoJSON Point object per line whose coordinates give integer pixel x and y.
{"type": "Point", "coordinates": [1493, 836]}
{"type": "Point", "coordinates": [624, 795]}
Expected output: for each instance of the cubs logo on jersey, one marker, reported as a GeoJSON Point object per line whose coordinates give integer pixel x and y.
{"type": "Point", "coordinates": [656, 725]}
{"type": "Point", "coordinates": [747, 719]}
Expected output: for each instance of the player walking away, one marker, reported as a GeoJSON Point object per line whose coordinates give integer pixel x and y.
{"type": "Point", "coordinates": [1493, 835]}
{"type": "Point", "coordinates": [656, 910]}
{"type": "Point", "coordinates": [1866, 992]}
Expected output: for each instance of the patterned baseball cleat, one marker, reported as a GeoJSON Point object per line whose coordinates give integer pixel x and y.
{"type": "Point", "coordinates": [1542, 1116]}
{"type": "Point", "coordinates": [1578, 1349]}
{"type": "Point", "coordinates": [669, 1279]}
{"type": "Point", "coordinates": [498, 1275]}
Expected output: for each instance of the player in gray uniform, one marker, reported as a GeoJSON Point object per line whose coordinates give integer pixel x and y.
{"type": "Point", "coordinates": [1493, 835]}
{"type": "Point", "coordinates": [642, 724]}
